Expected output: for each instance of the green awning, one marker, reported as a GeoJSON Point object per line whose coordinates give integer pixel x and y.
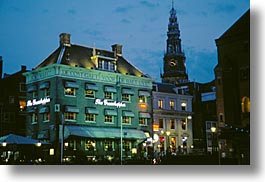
{"type": "Point", "coordinates": [144, 93]}
{"type": "Point", "coordinates": [44, 85]}
{"type": "Point", "coordinates": [127, 91]}
{"type": "Point", "coordinates": [44, 110]}
{"type": "Point", "coordinates": [91, 110]}
{"type": "Point", "coordinates": [91, 86]}
{"type": "Point", "coordinates": [128, 113]}
{"type": "Point", "coordinates": [144, 115]}
{"type": "Point", "coordinates": [110, 112]}
{"type": "Point", "coordinates": [71, 84]}
{"type": "Point", "coordinates": [110, 89]}
{"type": "Point", "coordinates": [32, 88]}
{"type": "Point", "coordinates": [71, 109]}
{"type": "Point", "coordinates": [103, 132]}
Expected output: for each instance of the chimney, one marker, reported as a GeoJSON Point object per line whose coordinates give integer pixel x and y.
{"type": "Point", "coordinates": [117, 50]}
{"type": "Point", "coordinates": [65, 39]}
{"type": "Point", "coordinates": [23, 68]}
{"type": "Point", "coordinates": [1, 67]}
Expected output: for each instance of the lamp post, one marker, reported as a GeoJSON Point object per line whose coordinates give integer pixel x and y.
{"type": "Point", "coordinates": [215, 145]}
{"type": "Point", "coordinates": [168, 142]}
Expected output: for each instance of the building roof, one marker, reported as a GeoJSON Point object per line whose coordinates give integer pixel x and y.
{"type": "Point", "coordinates": [80, 56]}
{"type": "Point", "coordinates": [165, 87]}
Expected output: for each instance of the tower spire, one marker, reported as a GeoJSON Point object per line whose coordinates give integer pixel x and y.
{"type": "Point", "coordinates": [172, 4]}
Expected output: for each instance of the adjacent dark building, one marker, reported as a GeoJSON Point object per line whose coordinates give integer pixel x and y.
{"type": "Point", "coordinates": [232, 77]}
{"type": "Point", "coordinates": [13, 102]}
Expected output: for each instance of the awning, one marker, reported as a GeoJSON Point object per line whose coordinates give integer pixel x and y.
{"type": "Point", "coordinates": [17, 139]}
{"type": "Point", "coordinates": [32, 88]}
{"type": "Point", "coordinates": [110, 89]}
{"type": "Point", "coordinates": [91, 86]}
{"type": "Point", "coordinates": [44, 110]}
{"type": "Point", "coordinates": [91, 110]}
{"type": "Point", "coordinates": [31, 110]}
{"type": "Point", "coordinates": [71, 109]}
{"type": "Point", "coordinates": [44, 85]}
{"type": "Point", "coordinates": [110, 112]}
{"type": "Point", "coordinates": [128, 113]}
{"type": "Point", "coordinates": [70, 84]}
{"type": "Point", "coordinates": [127, 91]}
{"type": "Point", "coordinates": [103, 132]}
{"type": "Point", "coordinates": [144, 93]}
{"type": "Point", "coordinates": [144, 115]}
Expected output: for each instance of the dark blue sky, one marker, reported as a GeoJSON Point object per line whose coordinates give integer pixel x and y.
{"type": "Point", "coordinates": [30, 30]}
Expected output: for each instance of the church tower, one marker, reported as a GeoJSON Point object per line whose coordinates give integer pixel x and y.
{"type": "Point", "coordinates": [174, 58]}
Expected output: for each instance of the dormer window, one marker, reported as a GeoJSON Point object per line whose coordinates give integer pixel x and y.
{"type": "Point", "coordinates": [106, 63]}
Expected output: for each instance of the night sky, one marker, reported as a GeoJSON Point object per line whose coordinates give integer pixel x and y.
{"type": "Point", "coordinates": [30, 30]}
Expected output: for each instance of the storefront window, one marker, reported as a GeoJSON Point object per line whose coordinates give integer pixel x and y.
{"type": "Point", "coordinates": [108, 145]}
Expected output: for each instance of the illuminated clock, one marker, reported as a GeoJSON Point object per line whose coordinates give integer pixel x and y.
{"type": "Point", "coordinates": [172, 62]}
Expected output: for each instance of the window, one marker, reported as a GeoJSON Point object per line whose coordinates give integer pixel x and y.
{"type": "Point", "coordinates": [90, 93]}
{"type": "Point", "coordinates": [34, 94]}
{"type": "Point", "coordinates": [245, 105]}
{"type": "Point", "coordinates": [34, 118]}
{"type": "Point", "coordinates": [143, 121]}
{"type": "Point", "coordinates": [160, 104]}
{"type": "Point", "coordinates": [108, 95]}
{"type": "Point", "coordinates": [127, 145]}
{"type": "Point", "coordinates": [126, 119]}
{"type": "Point", "coordinates": [111, 66]}
{"type": "Point", "coordinates": [109, 119]}
{"type": "Point", "coordinates": [172, 104]}
{"type": "Point", "coordinates": [172, 123]}
{"type": "Point", "coordinates": [11, 99]}
{"type": "Point", "coordinates": [221, 117]}
{"type": "Point", "coordinates": [72, 144]}
{"type": "Point", "coordinates": [22, 105]}
{"type": "Point", "coordinates": [183, 124]}
{"type": "Point", "coordinates": [161, 123]}
{"type": "Point", "coordinates": [70, 116]}
{"type": "Point", "coordinates": [90, 145]}
{"type": "Point", "coordinates": [47, 92]}
{"type": "Point", "coordinates": [142, 99]}
{"type": "Point", "coordinates": [126, 97]}
{"type": "Point", "coordinates": [183, 106]}
{"type": "Point", "coordinates": [100, 66]}
{"type": "Point", "coordinates": [70, 91]}
{"type": "Point", "coordinates": [46, 117]}
{"type": "Point", "coordinates": [90, 117]}
{"type": "Point", "coordinates": [22, 87]}
{"type": "Point", "coordinates": [108, 145]}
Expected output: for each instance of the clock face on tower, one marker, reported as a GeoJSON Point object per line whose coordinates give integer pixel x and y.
{"type": "Point", "coordinates": [172, 62]}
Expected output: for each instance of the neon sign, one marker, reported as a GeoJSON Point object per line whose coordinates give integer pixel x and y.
{"type": "Point", "coordinates": [106, 102]}
{"type": "Point", "coordinates": [36, 102]}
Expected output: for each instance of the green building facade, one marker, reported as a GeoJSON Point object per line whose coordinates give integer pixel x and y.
{"type": "Point", "coordinates": [84, 94]}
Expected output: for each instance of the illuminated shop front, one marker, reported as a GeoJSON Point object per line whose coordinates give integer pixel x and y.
{"type": "Point", "coordinates": [86, 93]}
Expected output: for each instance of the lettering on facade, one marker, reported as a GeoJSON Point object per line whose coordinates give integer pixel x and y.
{"type": "Point", "coordinates": [106, 102]}
{"type": "Point", "coordinates": [36, 102]}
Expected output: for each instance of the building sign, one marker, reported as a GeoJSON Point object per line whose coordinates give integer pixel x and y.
{"type": "Point", "coordinates": [106, 102]}
{"type": "Point", "coordinates": [36, 102]}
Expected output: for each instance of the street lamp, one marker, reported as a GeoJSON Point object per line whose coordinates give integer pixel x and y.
{"type": "Point", "coordinates": [168, 133]}
{"type": "Point", "coordinates": [213, 131]}
{"type": "Point", "coordinates": [4, 144]}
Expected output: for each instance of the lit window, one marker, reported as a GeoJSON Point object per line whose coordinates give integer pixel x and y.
{"type": "Point", "coordinates": [90, 145]}
{"type": "Point", "coordinates": [127, 145]}
{"type": "Point", "coordinates": [108, 95]}
{"type": "Point", "coordinates": [108, 145]}
{"type": "Point", "coordinates": [90, 117]}
{"type": "Point", "coordinates": [245, 105]}
{"type": "Point", "coordinates": [109, 119]}
{"type": "Point", "coordinates": [160, 104]}
{"type": "Point", "coordinates": [142, 121]}
{"type": "Point", "coordinates": [70, 91]}
{"type": "Point", "coordinates": [90, 93]}
{"type": "Point", "coordinates": [70, 116]}
{"type": "Point", "coordinates": [22, 105]}
{"type": "Point", "coordinates": [172, 104]}
{"type": "Point", "coordinates": [126, 97]}
{"type": "Point", "coordinates": [126, 119]}
{"type": "Point", "coordinates": [183, 106]}
{"type": "Point", "coordinates": [142, 99]}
